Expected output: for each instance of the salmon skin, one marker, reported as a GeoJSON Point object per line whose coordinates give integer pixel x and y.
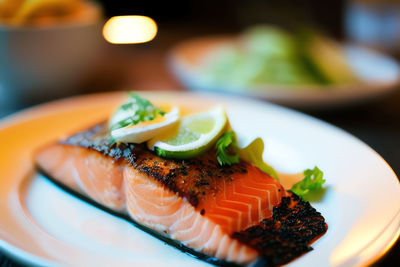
{"type": "Point", "coordinates": [223, 214]}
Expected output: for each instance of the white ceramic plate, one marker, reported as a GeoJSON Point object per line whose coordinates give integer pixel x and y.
{"type": "Point", "coordinates": [380, 75]}
{"type": "Point", "coordinates": [41, 224]}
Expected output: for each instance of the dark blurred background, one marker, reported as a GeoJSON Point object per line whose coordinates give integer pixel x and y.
{"type": "Point", "coordinates": [233, 16]}
{"type": "Point", "coordinates": [178, 20]}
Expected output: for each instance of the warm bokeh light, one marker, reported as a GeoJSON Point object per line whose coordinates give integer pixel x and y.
{"type": "Point", "coordinates": [129, 29]}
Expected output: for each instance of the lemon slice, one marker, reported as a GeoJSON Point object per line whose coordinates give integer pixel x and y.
{"type": "Point", "coordinates": [194, 135]}
{"type": "Point", "coordinates": [146, 130]}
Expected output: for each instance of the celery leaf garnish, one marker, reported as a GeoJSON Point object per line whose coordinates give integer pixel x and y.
{"type": "Point", "coordinates": [311, 183]}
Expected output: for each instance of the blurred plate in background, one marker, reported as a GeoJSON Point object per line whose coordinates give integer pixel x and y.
{"type": "Point", "coordinates": [379, 76]}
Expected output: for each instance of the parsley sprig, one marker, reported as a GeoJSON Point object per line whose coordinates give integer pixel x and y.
{"type": "Point", "coordinates": [141, 110]}
{"type": "Point", "coordinates": [311, 183]}
{"type": "Point", "coordinates": [226, 149]}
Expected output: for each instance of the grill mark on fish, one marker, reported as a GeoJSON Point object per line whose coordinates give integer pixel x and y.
{"type": "Point", "coordinates": [193, 179]}
{"type": "Point", "coordinates": [288, 234]}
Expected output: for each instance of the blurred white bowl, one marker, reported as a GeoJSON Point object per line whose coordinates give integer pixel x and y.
{"type": "Point", "coordinates": [46, 62]}
{"type": "Point", "coordinates": [379, 73]}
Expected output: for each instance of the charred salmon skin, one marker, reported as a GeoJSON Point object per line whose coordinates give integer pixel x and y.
{"type": "Point", "coordinates": [237, 213]}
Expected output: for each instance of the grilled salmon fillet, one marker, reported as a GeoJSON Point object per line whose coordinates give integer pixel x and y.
{"type": "Point", "coordinates": [210, 208]}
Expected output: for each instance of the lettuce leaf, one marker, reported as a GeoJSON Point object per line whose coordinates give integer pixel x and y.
{"type": "Point", "coordinates": [254, 153]}
{"type": "Point", "coordinates": [230, 149]}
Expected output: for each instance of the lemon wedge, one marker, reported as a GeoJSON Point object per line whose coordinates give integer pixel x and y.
{"type": "Point", "coordinates": [194, 134]}
{"type": "Point", "coordinates": [146, 130]}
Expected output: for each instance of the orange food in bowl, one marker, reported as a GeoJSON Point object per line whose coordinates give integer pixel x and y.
{"type": "Point", "coordinates": [47, 12]}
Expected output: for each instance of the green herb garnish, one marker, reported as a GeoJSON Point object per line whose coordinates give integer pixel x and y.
{"type": "Point", "coordinates": [225, 146]}
{"type": "Point", "coordinates": [161, 152]}
{"type": "Point", "coordinates": [111, 140]}
{"type": "Point", "coordinates": [135, 110]}
{"type": "Point", "coordinates": [253, 153]}
{"type": "Point", "coordinates": [311, 183]}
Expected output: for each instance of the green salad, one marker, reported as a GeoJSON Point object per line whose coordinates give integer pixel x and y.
{"type": "Point", "coordinates": [270, 55]}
